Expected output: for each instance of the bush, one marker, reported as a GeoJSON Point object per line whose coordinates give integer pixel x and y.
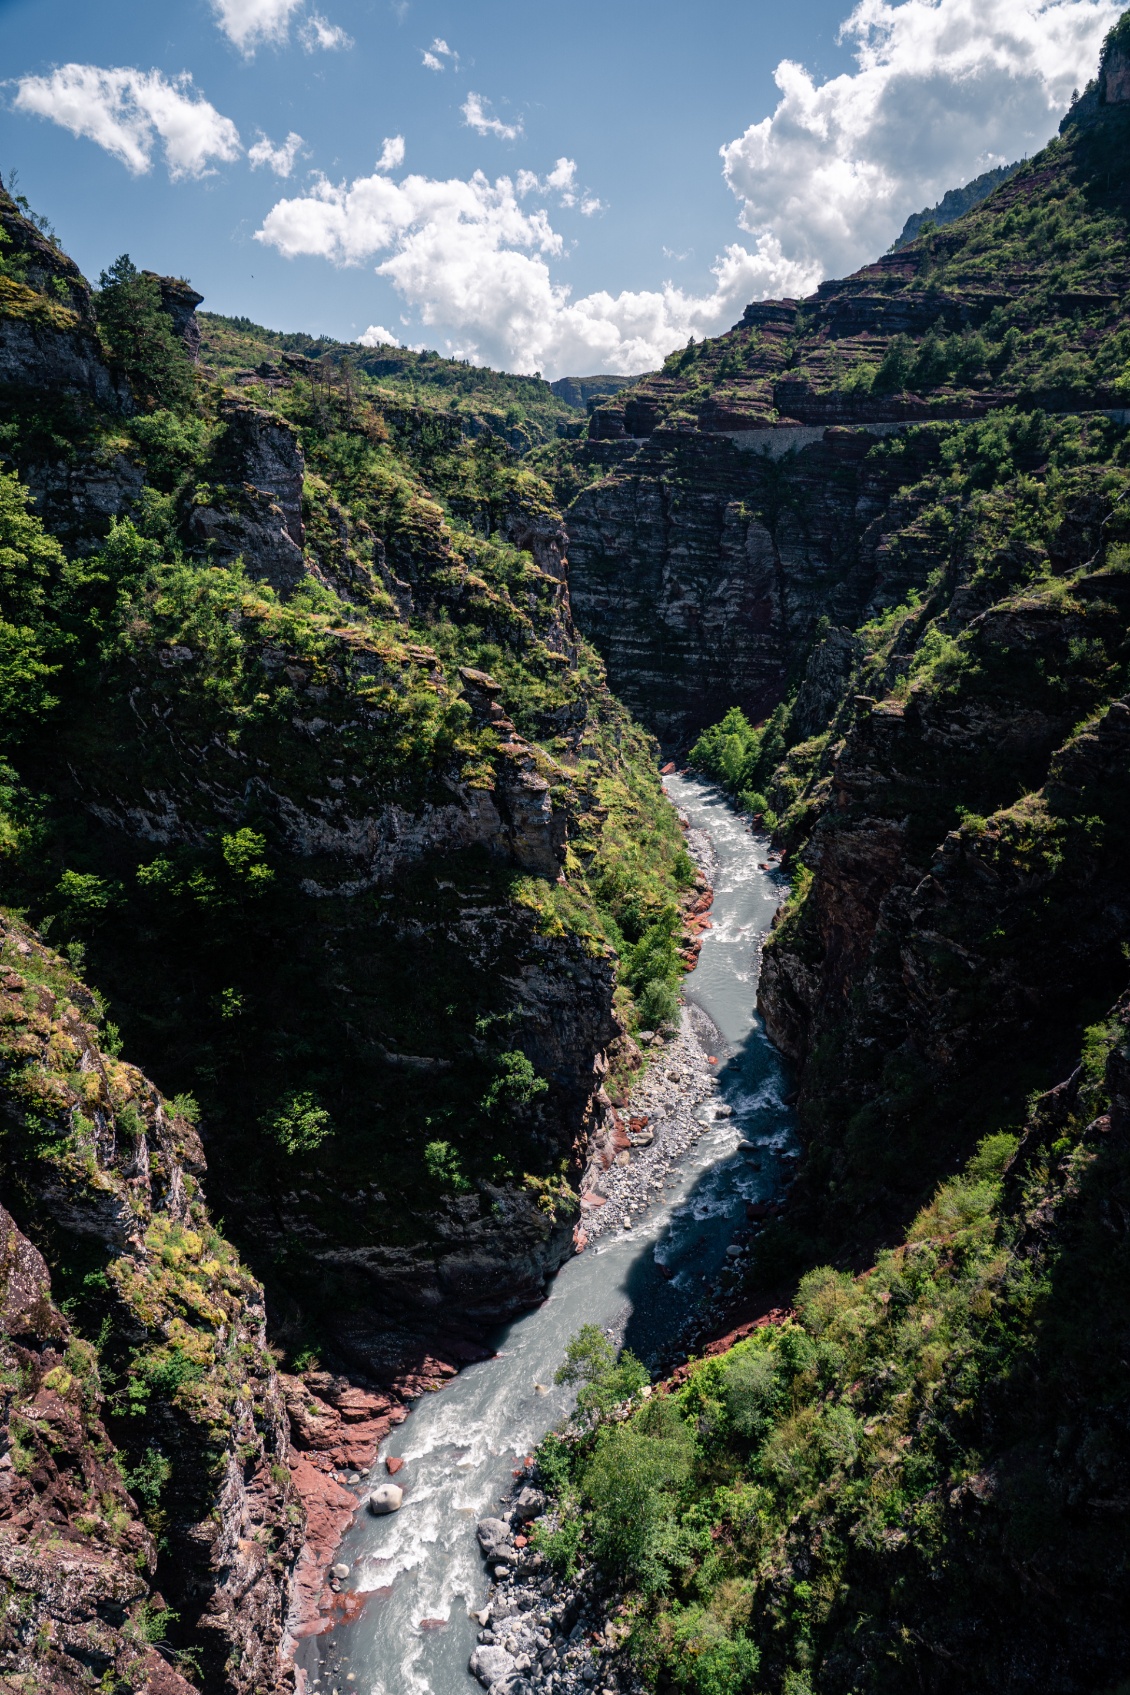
{"type": "Point", "coordinates": [514, 1085]}
{"type": "Point", "coordinates": [605, 1377]}
{"type": "Point", "coordinates": [630, 1485]}
{"type": "Point", "coordinates": [750, 1391]}
{"type": "Point", "coordinates": [657, 1004]}
{"type": "Point", "coordinates": [706, 1658]}
{"type": "Point", "coordinates": [444, 1167]}
{"type": "Point", "coordinates": [300, 1124]}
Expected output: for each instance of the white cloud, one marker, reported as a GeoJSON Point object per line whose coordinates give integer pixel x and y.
{"type": "Point", "coordinates": [377, 336]}
{"type": "Point", "coordinates": [128, 111]}
{"type": "Point", "coordinates": [279, 159]}
{"type": "Point", "coordinates": [944, 90]}
{"type": "Point", "coordinates": [434, 55]}
{"type": "Point", "coordinates": [319, 32]}
{"type": "Point", "coordinates": [562, 179]}
{"type": "Point", "coordinates": [941, 90]}
{"type": "Point", "coordinates": [476, 117]}
{"type": "Point", "coordinates": [249, 23]}
{"type": "Point", "coordinates": [392, 153]}
{"type": "Point", "coordinates": [469, 257]}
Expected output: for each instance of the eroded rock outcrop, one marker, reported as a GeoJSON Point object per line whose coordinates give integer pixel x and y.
{"type": "Point", "coordinates": [171, 1366]}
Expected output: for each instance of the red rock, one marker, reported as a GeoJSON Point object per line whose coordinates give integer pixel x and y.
{"type": "Point", "coordinates": [520, 1541]}
{"type": "Point", "coordinates": [393, 1464]}
{"type": "Point", "coordinates": [710, 1060]}
{"type": "Point", "coordinates": [668, 769]}
{"type": "Point", "coordinates": [593, 1200]}
{"type": "Point", "coordinates": [432, 1624]}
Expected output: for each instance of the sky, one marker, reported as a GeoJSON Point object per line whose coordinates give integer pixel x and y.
{"type": "Point", "coordinates": [571, 188]}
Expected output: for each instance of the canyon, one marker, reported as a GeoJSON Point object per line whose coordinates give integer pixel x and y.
{"type": "Point", "coordinates": [332, 692]}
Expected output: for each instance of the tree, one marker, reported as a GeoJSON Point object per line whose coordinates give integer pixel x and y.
{"type": "Point", "coordinates": [139, 336]}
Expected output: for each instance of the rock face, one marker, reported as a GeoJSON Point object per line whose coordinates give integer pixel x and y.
{"type": "Point", "coordinates": [180, 300]}
{"type": "Point", "coordinates": [702, 571]}
{"type": "Point", "coordinates": [924, 944]}
{"type": "Point", "coordinates": [48, 340]}
{"type": "Point", "coordinates": [732, 499]}
{"type": "Point", "coordinates": [259, 466]}
{"type": "Point", "coordinates": [180, 1325]}
{"type": "Point", "coordinates": [75, 1558]}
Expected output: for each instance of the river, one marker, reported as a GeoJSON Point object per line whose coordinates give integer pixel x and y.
{"type": "Point", "coordinates": [460, 1446]}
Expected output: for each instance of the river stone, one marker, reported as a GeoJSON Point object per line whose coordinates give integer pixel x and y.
{"type": "Point", "coordinates": [340, 1570]}
{"type": "Point", "coordinates": [490, 1665]}
{"type": "Point", "coordinates": [386, 1499]}
{"type": "Point", "coordinates": [530, 1503]}
{"type": "Point", "coordinates": [493, 1533]}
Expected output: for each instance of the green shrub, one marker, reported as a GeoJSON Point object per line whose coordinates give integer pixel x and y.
{"type": "Point", "coordinates": [300, 1125]}
{"type": "Point", "coordinates": [657, 1004]}
{"type": "Point", "coordinates": [605, 1377]}
{"type": "Point", "coordinates": [630, 1486]}
{"type": "Point", "coordinates": [515, 1084]}
{"type": "Point", "coordinates": [444, 1167]}
{"type": "Point", "coordinates": [705, 1658]}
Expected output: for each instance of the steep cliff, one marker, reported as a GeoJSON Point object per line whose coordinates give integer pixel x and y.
{"type": "Point", "coordinates": [146, 1497]}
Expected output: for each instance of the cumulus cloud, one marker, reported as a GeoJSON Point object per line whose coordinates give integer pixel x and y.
{"type": "Point", "coordinates": [278, 159]}
{"type": "Point", "coordinates": [377, 336]}
{"type": "Point", "coordinates": [470, 257]}
{"type": "Point", "coordinates": [129, 111]}
{"type": "Point", "coordinates": [250, 23]}
{"type": "Point", "coordinates": [392, 153]}
{"type": "Point", "coordinates": [943, 90]}
{"type": "Point", "coordinates": [476, 117]}
{"type": "Point", "coordinates": [319, 32]}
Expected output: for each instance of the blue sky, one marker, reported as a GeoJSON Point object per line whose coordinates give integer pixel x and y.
{"type": "Point", "coordinates": [625, 104]}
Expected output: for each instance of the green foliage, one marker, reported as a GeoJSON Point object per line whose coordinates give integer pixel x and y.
{"type": "Point", "coordinates": [605, 1377]}
{"type": "Point", "coordinates": [28, 559]}
{"type": "Point", "coordinates": [560, 1545]}
{"type": "Point", "coordinates": [147, 1481]}
{"type": "Point", "coordinates": [140, 338]}
{"type": "Point", "coordinates": [444, 1168]}
{"type": "Point", "coordinates": [741, 757]}
{"type": "Point", "coordinates": [515, 1084]}
{"type": "Point", "coordinates": [300, 1124]}
{"type": "Point", "coordinates": [704, 1658]}
{"type": "Point", "coordinates": [631, 1486]}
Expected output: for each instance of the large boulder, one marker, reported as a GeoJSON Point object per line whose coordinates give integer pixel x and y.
{"type": "Point", "coordinates": [386, 1498]}
{"type": "Point", "coordinates": [493, 1533]}
{"type": "Point", "coordinates": [530, 1504]}
{"type": "Point", "coordinates": [492, 1665]}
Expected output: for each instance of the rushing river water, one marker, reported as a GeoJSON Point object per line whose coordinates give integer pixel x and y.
{"type": "Point", "coordinates": [460, 1446]}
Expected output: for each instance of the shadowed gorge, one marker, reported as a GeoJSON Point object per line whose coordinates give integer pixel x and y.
{"type": "Point", "coordinates": [348, 931]}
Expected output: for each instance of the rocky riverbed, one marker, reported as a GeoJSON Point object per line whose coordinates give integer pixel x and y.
{"type": "Point", "coordinates": [537, 1632]}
